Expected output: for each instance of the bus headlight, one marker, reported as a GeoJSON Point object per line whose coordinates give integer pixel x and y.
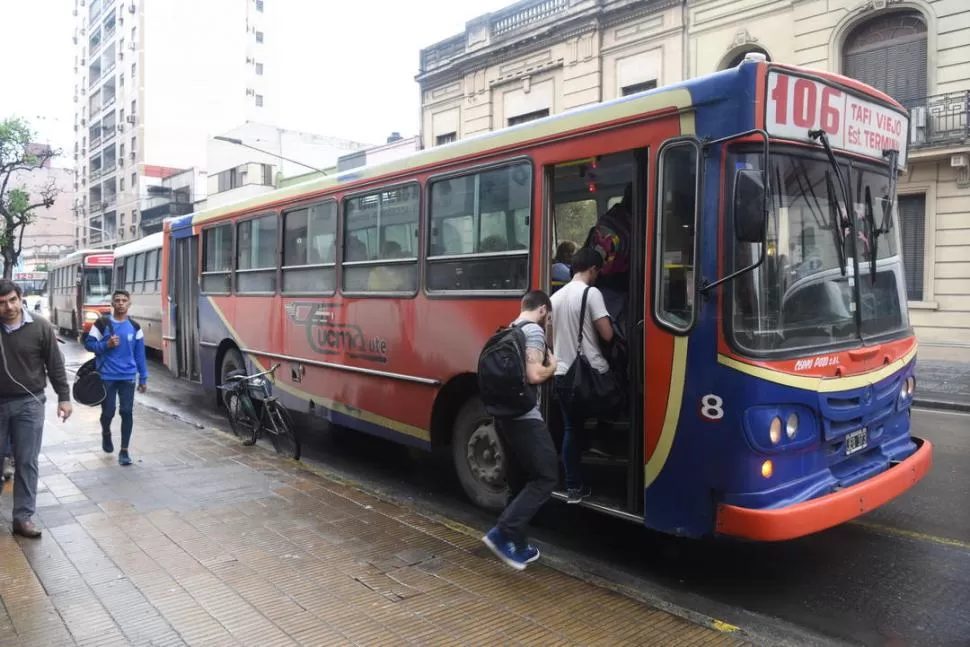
{"type": "Point", "coordinates": [910, 386]}
{"type": "Point", "coordinates": [791, 428]}
{"type": "Point", "coordinates": [774, 431]}
{"type": "Point", "coordinates": [90, 315]}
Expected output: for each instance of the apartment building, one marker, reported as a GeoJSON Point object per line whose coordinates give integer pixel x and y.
{"type": "Point", "coordinates": [542, 57]}
{"type": "Point", "coordinates": [153, 81]}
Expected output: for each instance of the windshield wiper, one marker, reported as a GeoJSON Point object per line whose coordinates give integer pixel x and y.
{"type": "Point", "coordinates": [837, 231]}
{"type": "Point", "coordinates": [823, 139]}
{"type": "Point", "coordinates": [873, 234]}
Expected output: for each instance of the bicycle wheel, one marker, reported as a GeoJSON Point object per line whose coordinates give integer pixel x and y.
{"type": "Point", "coordinates": [281, 430]}
{"type": "Point", "coordinates": [241, 424]}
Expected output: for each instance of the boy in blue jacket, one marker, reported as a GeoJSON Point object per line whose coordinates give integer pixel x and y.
{"type": "Point", "coordinates": [119, 344]}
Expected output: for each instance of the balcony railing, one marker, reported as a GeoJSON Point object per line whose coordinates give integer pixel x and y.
{"type": "Point", "coordinates": [940, 120]}
{"type": "Point", "coordinates": [517, 18]}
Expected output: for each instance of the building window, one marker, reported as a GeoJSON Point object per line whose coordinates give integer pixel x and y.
{"type": "Point", "coordinates": [256, 255]}
{"type": "Point", "coordinates": [132, 77]}
{"type": "Point", "coordinates": [381, 242]}
{"type": "Point", "coordinates": [259, 6]}
{"type": "Point", "coordinates": [259, 100]}
{"type": "Point", "coordinates": [912, 235]}
{"type": "Point", "coordinates": [259, 69]}
{"type": "Point", "coordinates": [310, 249]}
{"type": "Point", "coordinates": [529, 116]}
{"type": "Point", "coordinates": [676, 221]}
{"type": "Point", "coordinates": [259, 37]}
{"type": "Point", "coordinates": [480, 231]}
{"type": "Point", "coordinates": [216, 259]}
{"type": "Point", "coordinates": [134, 182]}
{"type": "Point", "coordinates": [447, 138]}
{"type": "Point", "coordinates": [121, 184]}
{"type": "Point", "coordinates": [889, 53]}
{"type": "Point", "coordinates": [637, 88]}
{"type": "Point", "coordinates": [229, 179]}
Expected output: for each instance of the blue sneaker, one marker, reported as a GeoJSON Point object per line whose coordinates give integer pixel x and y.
{"type": "Point", "coordinates": [106, 443]}
{"type": "Point", "coordinates": [124, 458]}
{"type": "Point", "coordinates": [529, 553]}
{"type": "Point", "coordinates": [505, 549]}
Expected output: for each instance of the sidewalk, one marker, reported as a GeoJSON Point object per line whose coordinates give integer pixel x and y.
{"type": "Point", "coordinates": [205, 542]}
{"type": "Point", "coordinates": [942, 385]}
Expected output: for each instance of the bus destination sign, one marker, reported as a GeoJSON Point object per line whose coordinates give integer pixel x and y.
{"type": "Point", "coordinates": [99, 260]}
{"type": "Point", "coordinates": [797, 105]}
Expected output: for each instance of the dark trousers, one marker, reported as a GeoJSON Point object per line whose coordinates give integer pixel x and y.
{"type": "Point", "coordinates": [531, 473]}
{"type": "Point", "coordinates": [22, 420]}
{"type": "Point", "coordinates": [573, 435]}
{"type": "Point", "coordinates": [121, 392]}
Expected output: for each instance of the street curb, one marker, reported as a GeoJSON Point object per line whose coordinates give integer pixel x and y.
{"type": "Point", "coordinates": [564, 561]}
{"type": "Point", "coordinates": [945, 405]}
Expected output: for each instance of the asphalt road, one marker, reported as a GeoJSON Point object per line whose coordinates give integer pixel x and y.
{"type": "Point", "coordinates": [898, 576]}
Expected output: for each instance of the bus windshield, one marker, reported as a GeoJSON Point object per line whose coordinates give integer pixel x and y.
{"type": "Point", "coordinates": [802, 298]}
{"type": "Point", "coordinates": [97, 285]}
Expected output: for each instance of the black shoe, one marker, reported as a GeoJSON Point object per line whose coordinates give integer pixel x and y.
{"type": "Point", "coordinates": [106, 443]}
{"type": "Point", "coordinates": [576, 495]}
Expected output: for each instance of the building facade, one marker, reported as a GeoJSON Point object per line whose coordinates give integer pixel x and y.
{"type": "Point", "coordinates": [542, 57]}
{"type": "Point", "coordinates": [51, 234]}
{"type": "Point", "coordinates": [150, 88]}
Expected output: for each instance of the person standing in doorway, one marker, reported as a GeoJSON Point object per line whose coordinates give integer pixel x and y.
{"type": "Point", "coordinates": [119, 343]}
{"type": "Point", "coordinates": [30, 357]}
{"type": "Point", "coordinates": [596, 326]}
{"type": "Point", "coordinates": [531, 455]}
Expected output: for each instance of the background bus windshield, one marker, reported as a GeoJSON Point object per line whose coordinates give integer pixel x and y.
{"type": "Point", "coordinates": [97, 285]}
{"type": "Point", "coordinates": [799, 298]}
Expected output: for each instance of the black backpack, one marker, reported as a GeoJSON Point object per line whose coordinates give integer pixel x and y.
{"type": "Point", "coordinates": [502, 382]}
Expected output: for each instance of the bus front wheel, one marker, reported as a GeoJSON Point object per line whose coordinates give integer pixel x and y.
{"type": "Point", "coordinates": [479, 456]}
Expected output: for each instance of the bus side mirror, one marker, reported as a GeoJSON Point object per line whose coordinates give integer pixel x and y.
{"type": "Point", "coordinates": [750, 208]}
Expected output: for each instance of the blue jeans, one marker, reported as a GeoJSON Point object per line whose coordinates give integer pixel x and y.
{"type": "Point", "coordinates": [122, 391]}
{"type": "Point", "coordinates": [573, 435]}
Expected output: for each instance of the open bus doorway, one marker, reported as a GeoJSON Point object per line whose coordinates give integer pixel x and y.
{"type": "Point", "coordinates": [582, 192]}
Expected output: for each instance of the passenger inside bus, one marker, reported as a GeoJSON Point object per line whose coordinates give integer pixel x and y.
{"type": "Point", "coordinates": [592, 201]}
{"type": "Point", "coordinates": [561, 265]}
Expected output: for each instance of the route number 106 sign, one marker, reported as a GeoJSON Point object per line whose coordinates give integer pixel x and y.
{"type": "Point", "coordinates": [797, 105]}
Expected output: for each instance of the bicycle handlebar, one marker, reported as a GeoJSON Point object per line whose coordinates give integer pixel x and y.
{"type": "Point", "coordinates": [249, 378]}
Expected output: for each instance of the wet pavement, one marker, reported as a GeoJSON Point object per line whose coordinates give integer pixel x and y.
{"type": "Point", "coordinates": [943, 385]}
{"type": "Point", "coordinates": [898, 576]}
{"type": "Point", "coordinates": [203, 541]}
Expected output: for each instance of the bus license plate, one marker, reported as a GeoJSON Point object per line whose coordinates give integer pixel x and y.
{"type": "Point", "coordinates": [856, 441]}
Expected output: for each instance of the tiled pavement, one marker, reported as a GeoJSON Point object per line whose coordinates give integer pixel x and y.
{"type": "Point", "coordinates": [206, 542]}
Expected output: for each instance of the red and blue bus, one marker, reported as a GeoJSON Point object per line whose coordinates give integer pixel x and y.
{"type": "Point", "coordinates": [771, 357]}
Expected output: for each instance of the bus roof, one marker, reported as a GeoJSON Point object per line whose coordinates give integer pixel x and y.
{"type": "Point", "coordinates": [669, 99]}
{"type": "Point", "coordinates": [75, 257]}
{"type": "Point", "coordinates": [146, 243]}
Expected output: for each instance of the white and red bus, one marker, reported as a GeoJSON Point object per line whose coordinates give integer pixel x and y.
{"type": "Point", "coordinates": [80, 287]}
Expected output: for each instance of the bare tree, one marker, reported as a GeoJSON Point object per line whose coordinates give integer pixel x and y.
{"type": "Point", "coordinates": [18, 156]}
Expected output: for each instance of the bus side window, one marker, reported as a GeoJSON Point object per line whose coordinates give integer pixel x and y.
{"type": "Point", "coordinates": [309, 249]}
{"type": "Point", "coordinates": [480, 231]}
{"type": "Point", "coordinates": [380, 241]}
{"type": "Point", "coordinates": [676, 223]}
{"type": "Point", "coordinates": [217, 260]}
{"type": "Point", "coordinates": [256, 255]}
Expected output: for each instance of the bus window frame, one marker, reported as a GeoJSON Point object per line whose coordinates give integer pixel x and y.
{"type": "Point", "coordinates": [231, 225]}
{"type": "Point", "coordinates": [309, 204]}
{"type": "Point", "coordinates": [265, 270]}
{"type": "Point", "coordinates": [342, 243]}
{"type": "Point", "coordinates": [657, 243]}
{"type": "Point", "coordinates": [427, 221]}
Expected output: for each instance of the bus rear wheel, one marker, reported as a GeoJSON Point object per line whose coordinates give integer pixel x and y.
{"type": "Point", "coordinates": [479, 456]}
{"type": "Point", "coordinates": [232, 364]}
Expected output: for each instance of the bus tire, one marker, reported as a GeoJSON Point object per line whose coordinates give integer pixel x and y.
{"type": "Point", "coordinates": [232, 363]}
{"type": "Point", "coordinates": [479, 456]}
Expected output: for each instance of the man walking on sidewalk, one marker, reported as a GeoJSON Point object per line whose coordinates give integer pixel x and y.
{"type": "Point", "coordinates": [119, 343]}
{"type": "Point", "coordinates": [30, 357]}
{"type": "Point", "coordinates": [532, 470]}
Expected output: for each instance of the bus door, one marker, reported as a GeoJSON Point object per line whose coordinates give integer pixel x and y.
{"type": "Point", "coordinates": [584, 192]}
{"type": "Point", "coordinates": [183, 300]}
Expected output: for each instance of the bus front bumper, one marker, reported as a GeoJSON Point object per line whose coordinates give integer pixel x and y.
{"type": "Point", "coordinates": [829, 510]}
